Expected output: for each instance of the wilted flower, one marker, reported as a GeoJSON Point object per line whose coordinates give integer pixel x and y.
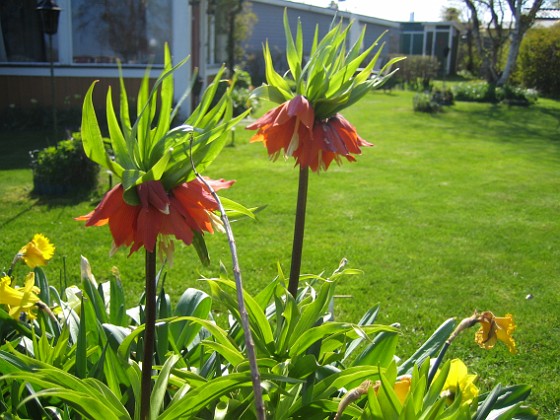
{"type": "Point", "coordinates": [20, 300]}
{"type": "Point", "coordinates": [37, 252]}
{"type": "Point", "coordinates": [494, 328]}
{"type": "Point", "coordinates": [458, 379]}
{"type": "Point", "coordinates": [186, 210]}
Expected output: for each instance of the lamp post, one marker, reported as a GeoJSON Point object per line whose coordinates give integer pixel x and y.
{"type": "Point", "coordinates": [49, 12]}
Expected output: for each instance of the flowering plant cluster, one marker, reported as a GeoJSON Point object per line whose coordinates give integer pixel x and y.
{"type": "Point", "coordinates": [280, 353]}
{"type": "Point", "coordinates": [308, 125]}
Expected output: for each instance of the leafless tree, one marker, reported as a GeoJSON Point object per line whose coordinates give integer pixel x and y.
{"type": "Point", "coordinates": [497, 25]}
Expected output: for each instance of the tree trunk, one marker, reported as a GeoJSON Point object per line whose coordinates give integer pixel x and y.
{"type": "Point", "coordinates": [522, 24]}
{"type": "Point", "coordinates": [489, 72]}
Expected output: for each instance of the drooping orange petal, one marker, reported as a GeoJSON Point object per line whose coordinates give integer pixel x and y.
{"type": "Point", "coordinates": [219, 184]}
{"type": "Point", "coordinates": [123, 224]}
{"type": "Point", "coordinates": [300, 108]}
{"type": "Point", "coordinates": [110, 203]}
{"type": "Point", "coordinates": [148, 227]}
{"type": "Point", "coordinates": [176, 224]}
{"type": "Point", "coordinates": [266, 119]}
{"type": "Point", "coordinates": [152, 194]}
{"type": "Point", "coordinates": [187, 208]}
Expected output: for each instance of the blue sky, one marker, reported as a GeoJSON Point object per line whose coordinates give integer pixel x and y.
{"type": "Point", "coordinates": [398, 10]}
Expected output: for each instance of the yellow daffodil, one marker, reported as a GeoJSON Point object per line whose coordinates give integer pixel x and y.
{"type": "Point", "coordinates": [37, 252]}
{"type": "Point", "coordinates": [494, 328]}
{"type": "Point", "coordinates": [20, 300]}
{"type": "Point", "coordinates": [402, 387]}
{"type": "Point", "coordinates": [459, 379]}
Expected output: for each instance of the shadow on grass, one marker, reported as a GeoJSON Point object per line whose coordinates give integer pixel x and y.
{"type": "Point", "coordinates": [537, 124]}
{"type": "Point", "coordinates": [16, 216]}
{"type": "Point", "coordinates": [74, 199]}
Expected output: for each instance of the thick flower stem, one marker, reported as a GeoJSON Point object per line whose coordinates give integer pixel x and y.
{"type": "Point", "coordinates": [149, 334]}
{"type": "Point", "coordinates": [297, 248]}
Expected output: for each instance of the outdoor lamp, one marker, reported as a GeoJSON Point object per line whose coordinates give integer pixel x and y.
{"type": "Point", "coordinates": [48, 12]}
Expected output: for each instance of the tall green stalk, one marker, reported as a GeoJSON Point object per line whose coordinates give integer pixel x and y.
{"type": "Point", "coordinates": [299, 229]}
{"type": "Point", "coordinates": [149, 334]}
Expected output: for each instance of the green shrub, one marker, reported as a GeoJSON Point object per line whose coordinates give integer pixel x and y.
{"type": "Point", "coordinates": [423, 102]}
{"type": "Point", "coordinates": [475, 92]}
{"type": "Point", "coordinates": [486, 92]}
{"type": "Point", "coordinates": [514, 95]}
{"type": "Point", "coordinates": [241, 95]}
{"type": "Point", "coordinates": [417, 72]}
{"type": "Point", "coordinates": [63, 169]}
{"type": "Point", "coordinates": [443, 97]}
{"type": "Point", "coordinates": [539, 60]}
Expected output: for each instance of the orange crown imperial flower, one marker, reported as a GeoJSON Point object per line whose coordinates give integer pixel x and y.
{"type": "Point", "coordinates": [159, 196]}
{"type": "Point", "coordinates": [292, 127]}
{"type": "Point", "coordinates": [307, 124]}
{"type": "Point", "coordinates": [187, 210]}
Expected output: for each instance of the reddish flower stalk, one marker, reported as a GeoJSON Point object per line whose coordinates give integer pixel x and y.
{"type": "Point", "coordinates": [149, 335]}
{"type": "Point", "coordinates": [186, 209]}
{"type": "Point", "coordinates": [315, 143]}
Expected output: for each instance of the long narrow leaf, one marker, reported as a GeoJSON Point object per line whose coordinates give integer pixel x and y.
{"type": "Point", "coordinates": [160, 387]}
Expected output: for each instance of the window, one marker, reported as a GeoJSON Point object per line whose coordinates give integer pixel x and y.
{"type": "Point", "coordinates": [133, 31]}
{"type": "Point", "coordinates": [21, 38]}
{"type": "Point", "coordinates": [217, 35]}
{"type": "Point", "coordinates": [413, 43]}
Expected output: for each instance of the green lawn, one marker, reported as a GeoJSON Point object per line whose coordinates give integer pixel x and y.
{"type": "Point", "coordinates": [448, 213]}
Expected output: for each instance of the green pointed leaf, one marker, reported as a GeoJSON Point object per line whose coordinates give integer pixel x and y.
{"type": "Point", "coordinates": [123, 152]}
{"type": "Point", "coordinates": [271, 93]}
{"type": "Point", "coordinates": [436, 387]}
{"type": "Point", "coordinates": [314, 334]}
{"type": "Point", "coordinates": [166, 97]}
{"type": "Point", "coordinates": [292, 54]}
{"type": "Point", "coordinates": [231, 206]}
{"type": "Point", "coordinates": [430, 347]}
{"type": "Point", "coordinates": [160, 387]}
{"type": "Point", "coordinates": [380, 352]}
{"type": "Point", "coordinates": [91, 136]}
{"type": "Point", "coordinates": [117, 309]}
{"type": "Point", "coordinates": [272, 77]}
{"type": "Point", "coordinates": [81, 346]}
{"type": "Point", "coordinates": [312, 312]}
{"type": "Point", "coordinates": [193, 302]}
{"type": "Point", "coordinates": [198, 398]}
{"type": "Point", "coordinates": [200, 246]}
{"type": "Point", "coordinates": [262, 331]}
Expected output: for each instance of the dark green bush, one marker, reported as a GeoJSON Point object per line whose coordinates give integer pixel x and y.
{"type": "Point", "coordinates": [514, 95]}
{"type": "Point", "coordinates": [539, 60]}
{"type": "Point", "coordinates": [416, 72]}
{"type": "Point", "coordinates": [63, 169]}
{"type": "Point", "coordinates": [241, 94]}
{"type": "Point", "coordinates": [423, 102]}
{"type": "Point", "coordinates": [443, 97]}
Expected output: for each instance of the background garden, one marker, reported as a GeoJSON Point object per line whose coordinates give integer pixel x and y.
{"type": "Point", "coordinates": [448, 213]}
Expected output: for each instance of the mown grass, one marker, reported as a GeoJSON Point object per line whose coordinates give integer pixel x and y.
{"type": "Point", "coordinates": [448, 213]}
